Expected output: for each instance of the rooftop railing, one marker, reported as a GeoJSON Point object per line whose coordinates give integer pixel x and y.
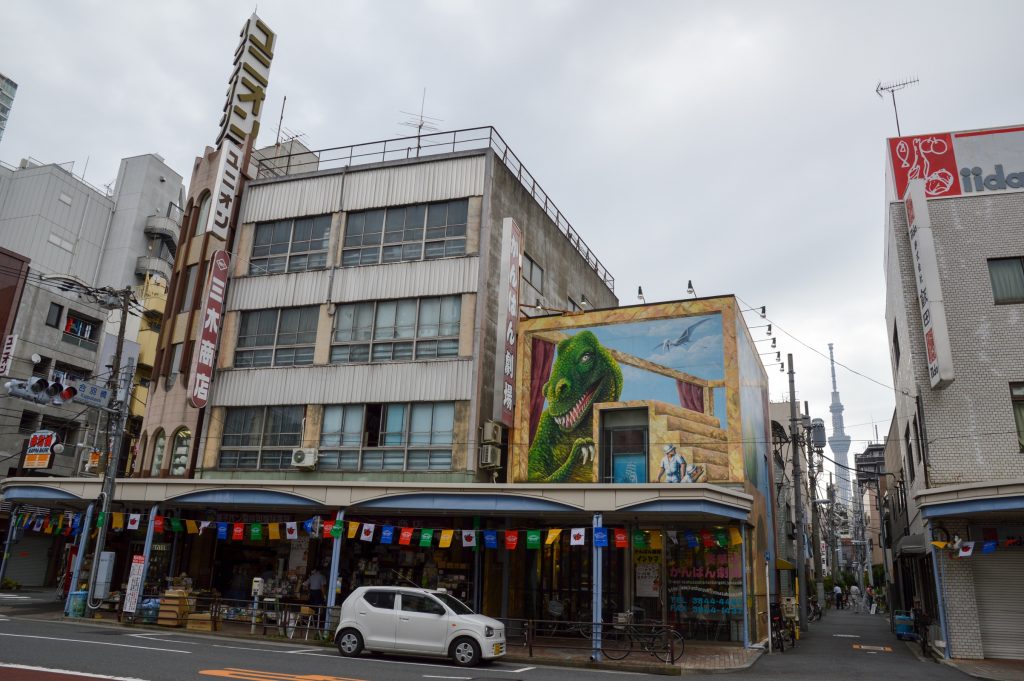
{"type": "Point", "coordinates": [418, 146]}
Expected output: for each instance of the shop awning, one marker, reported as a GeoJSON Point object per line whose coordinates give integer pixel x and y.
{"type": "Point", "coordinates": [783, 564]}
{"type": "Point", "coordinates": [911, 545]}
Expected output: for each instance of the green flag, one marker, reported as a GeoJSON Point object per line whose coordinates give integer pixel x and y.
{"type": "Point", "coordinates": [533, 539]}
{"type": "Point", "coordinates": [721, 537]}
{"type": "Point", "coordinates": [336, 529]}
{"type": "Point", "coordinates": [639, 539]}
{"type": "Point", "coordinates": [176, 525]}
{"type": "Point", "coordinates": [426, 537]}
{"type": "Point", "coordinates": [101, 517]}
{"type": "Point", "coordinates": [256, 531]}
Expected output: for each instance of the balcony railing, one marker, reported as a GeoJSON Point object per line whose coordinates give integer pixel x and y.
{"type": "Point", "coordinates": [85, 343]}
{"type": "Point", "coordinates": [418, 146]}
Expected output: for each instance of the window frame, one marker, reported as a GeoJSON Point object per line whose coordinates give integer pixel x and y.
{"type": "Point", "coordinates": [292, 251]}
{"type": "Point", "coordinates": [278, 350]}
{"type": "Point", "coordinates": [1017, 404]}
{"type": "Point", "coordinates": [407, 236]}
{"type": "Point", "coordinates": [50, 321]}
{"type": "Point", "coordinates": [1013, 300]}
{"type": "Point", "coordinates": [424, 341]}
{"type": "Point", "coordinates": [267, 446]}
{"type": "Point", "coordinates": [89, 341]}
{"type": "Point", "coordinates": [530, 270]}
{"type": "Point", "coordinates": [191, 274]}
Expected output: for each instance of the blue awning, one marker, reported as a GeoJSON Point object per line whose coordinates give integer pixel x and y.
{"type": "Point", "coordinates": [990, 505]}
{"type": "Point", "coordinates": [243, 497]}
{"type": "Point", "coordinates": [695, 506]}
{"type": "Point", "coordinates": [25, 494]}
{"type": "Point", "coordinates": [506, 503]}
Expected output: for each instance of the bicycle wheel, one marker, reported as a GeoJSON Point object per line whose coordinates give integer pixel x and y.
{"type": "Point", "coordinates": [616, 643]}
{"type": "Point", "coordinates": [777, 641]}
{"type": "Point", "coordinates": [667, 644]}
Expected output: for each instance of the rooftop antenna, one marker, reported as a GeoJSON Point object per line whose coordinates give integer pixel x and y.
{"type": "Point", "coordinates": [892, 87]}
{"type": "Point", "coordinates": [280, 121]}
{"type": "Point", "coordinates": [421, 122]}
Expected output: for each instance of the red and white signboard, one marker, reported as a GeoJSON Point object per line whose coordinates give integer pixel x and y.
{"type": "Point", "coordinates": [508, 320]}
{"type": "Point", "coordinates": [39, 453]}
{"type": "Point", "coordinates": [131, 595]}
{"type": "Point", "coordinates": [929, 287]}
{"type": "Point", "coordinates": [959, 163]}
{"type": "Point", "coordinates": [10, 343]}
{"type": "Point", "coordinates": [211, 318]}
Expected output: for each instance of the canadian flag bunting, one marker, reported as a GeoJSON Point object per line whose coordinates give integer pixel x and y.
{"type": "Point", "coordinates": [966, 549]}
{"type": "Point", "coordinates": [367, 533]}
{"type": "Point", "coordinates": [578, 536]}
{"type": "Point", "coordinates": [469, 538]}
{"type": "Point", "coordinates": [291, 530]}
{"type": "Point", "coordinates": [133, 521]}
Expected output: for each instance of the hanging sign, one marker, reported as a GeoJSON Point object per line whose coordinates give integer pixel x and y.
{"type": "Point", "coordinates": [131, 598]}
{"type": "Point", "coordinates": [10, 343]}
{"type": "Point", "coordinates": [211, 317]}
{"type": "Point", "coordinates": [39, 453]}
{"type": "Point", "coordinates": [508, 320]}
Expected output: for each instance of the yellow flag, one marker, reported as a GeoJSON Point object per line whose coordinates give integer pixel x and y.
{"type": "Point", "coordinates": [191, 527]}
{"type": "Point", "coordinates": [940, 544]}
{"type": "Point", "coordinates": [274, 530]}
{"type": "Point", "coordinates": [49, 527]}
{"type": "Point", "coordinates": [655, 539]}
{"type": "Point", "coordinates": [553, 536]}
{"type": "Point", "coordinates": [735, 537]}
{"type": "Point", "coordinates": [353, 528]}
{"type": "Point", "coordinates": [446, 538]}
{"type": "Point", "coordinates": [117, 520]}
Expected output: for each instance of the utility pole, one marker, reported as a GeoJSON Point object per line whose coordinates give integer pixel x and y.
{"type": "Point", "coordinates": [817, 444]}
{"type": "Point", "coordinates": [121, 382]}
{"type": "Point", "coordinates": [794, 431]}
{"type": "Point", "coordinates": [834, 528]}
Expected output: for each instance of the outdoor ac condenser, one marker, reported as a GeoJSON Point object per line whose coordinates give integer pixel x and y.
{"type": "Point", "coordinates": [490, 456]}
{"type": "Point", "coordinates": [304, 458]}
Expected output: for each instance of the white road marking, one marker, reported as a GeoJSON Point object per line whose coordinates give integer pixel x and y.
{"type": "Point", "coordinates": [512, 671]}
{"type": "Point", "coordinates": [12, 597]}
{"type": "Point", "coordinates": [431, 676]}
{"type": "Point", "coordinates": [845, 636]}
{"type": "Point", "coordinates": [100, 643]}
{"type": "Point", "coordinates": [5, 665]}
{"type": "Point", "coordinates": [152, 637]}
{"type": "Point", "coordinates": [258, 650]}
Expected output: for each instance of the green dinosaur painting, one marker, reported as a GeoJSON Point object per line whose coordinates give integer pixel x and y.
{"type": "Point", "coordinates": [584, 372]}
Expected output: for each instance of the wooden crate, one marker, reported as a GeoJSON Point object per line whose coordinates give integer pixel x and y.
{"type": "Point", "coordinates": [202, 621]}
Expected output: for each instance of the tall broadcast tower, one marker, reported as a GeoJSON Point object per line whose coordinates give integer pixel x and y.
{"type": "Point", "coordinates": [839, 442]}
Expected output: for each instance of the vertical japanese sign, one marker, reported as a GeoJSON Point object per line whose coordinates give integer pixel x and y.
{"type": "Point", "coordinates": [226, 188]}
{"type": "Point", "coordinates": [211, 317]}
{"type": "Point", "coordinates": [10, 343]}
{"type": "Point", "coordinates": [131, 598]}
{"type": "Point", "coordinates": [508, 320]}
{"type": "Point", "coordinates": [929, 288]}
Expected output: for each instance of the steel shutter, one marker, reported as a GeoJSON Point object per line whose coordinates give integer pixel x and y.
{"type": "Point", "coordinates": [1000, 602]}
{"type": "Point", "coordinates": [29, 559]}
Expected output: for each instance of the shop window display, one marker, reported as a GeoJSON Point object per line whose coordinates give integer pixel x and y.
{"type": "Point", "coordinates": [705, 586]}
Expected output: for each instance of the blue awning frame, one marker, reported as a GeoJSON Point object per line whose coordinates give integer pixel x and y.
{"type": "Point", "coordinates": [963, 507]}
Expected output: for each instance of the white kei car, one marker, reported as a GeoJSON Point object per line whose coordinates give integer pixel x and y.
{"type": "Point", "coordinates": [393, 619]}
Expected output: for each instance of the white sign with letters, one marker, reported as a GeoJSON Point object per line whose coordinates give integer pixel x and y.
{"type": "Point", "coordinates": [10, 343]}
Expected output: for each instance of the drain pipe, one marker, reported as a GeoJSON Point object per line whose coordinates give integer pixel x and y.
{"type": "Point", "coordinates": [332, 594]}
{"type": "Point", "coordinates": [937, 572]}
{"type": "Point", "coordinates": [83, 543]}
{"type": "Point", "coordinates": [597, 587]}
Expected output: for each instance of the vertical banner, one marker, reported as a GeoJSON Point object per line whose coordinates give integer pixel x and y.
{"type": "Point", "coordinates": [511, 539]}
{"type": "Point", "coordinates": [938, 350]}
{"type": "Point", "coordinates": [211, 316]}
{"type": "Point", "coordinates": [10, 343]}
{"type": "Point", "coordinates": [131, 598]}
{"type": "Point", "coordinates": [508, 320]}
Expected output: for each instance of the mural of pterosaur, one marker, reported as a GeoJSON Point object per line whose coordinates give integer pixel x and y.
{"type": "Point", "coordinates": [683, 339]}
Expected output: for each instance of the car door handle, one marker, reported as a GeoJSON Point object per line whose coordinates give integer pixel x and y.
{"type": "Point", "coordinates": [362, 613]}
{"type": "Point", "coordinates": [404, 619]}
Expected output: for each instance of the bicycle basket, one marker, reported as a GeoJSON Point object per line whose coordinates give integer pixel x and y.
{"type": "Point", "coordinates": [622, 619]}
{"type": "Point", "coordinates": [555, 608]}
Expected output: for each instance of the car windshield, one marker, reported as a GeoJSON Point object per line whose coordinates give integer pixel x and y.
{"type": "Point", "coordinates": [457, 606]}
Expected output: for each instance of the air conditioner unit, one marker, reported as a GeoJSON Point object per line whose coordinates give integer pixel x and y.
{"type": "Point", "coordinates": [304, 458]}
{"type": "Point", "coordinates": [490, 456]}
{"type": "Point", "coordinates": [491, 433]}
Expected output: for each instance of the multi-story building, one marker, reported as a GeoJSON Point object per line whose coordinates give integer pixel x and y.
{"type": "Point", "coordinates": [954, 293]}
{"type": "Point", "coordinates": [8, 88]}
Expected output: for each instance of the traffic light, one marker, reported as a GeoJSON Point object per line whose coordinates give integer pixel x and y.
{"type": "Point", "coordinates": [40, 390]}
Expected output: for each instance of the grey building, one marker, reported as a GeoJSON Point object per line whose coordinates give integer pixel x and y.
{"type": "Point", "coordinates": [8, 88]}
{"type": "Point", "coordinates": [62, 237]}
{"type": "Point", "coordinates": [954, 264]}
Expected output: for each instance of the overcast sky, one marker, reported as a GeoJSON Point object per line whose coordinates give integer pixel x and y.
{"type": "Point", "coordinates": [737, 145]}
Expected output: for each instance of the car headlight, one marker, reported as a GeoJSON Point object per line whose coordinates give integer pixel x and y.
{"type": "Point", "coordinates": [488, 631]}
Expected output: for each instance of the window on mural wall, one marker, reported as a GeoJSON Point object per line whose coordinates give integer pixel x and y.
{"type": "Point", "coordinates": [277, 337]}
{"type": "Point", "coordinates": [398, 436]}
{"type": "Point", "coordinates": [397, 330]}
{"type": "Point", "coordinates": [422, 232]}
{"type": "Point", "coordinates": [533, 273]}
{"type": "Point", "coordinates": [260, 437]}
{"type": "Point", "coordinates": [1007, 276]}
{"type": "Point", "coordinates": [290, 245]}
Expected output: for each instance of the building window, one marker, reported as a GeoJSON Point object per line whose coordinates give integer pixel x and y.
{"type": "Point", "coordinates": [260, 437]}
{"type": "Point", "coordinates": [180, 452]}
{"type": "Point", "coordinates": [533, 273]}
{"type": "Point", "coordinates": [279, 337]}
{"type": "Point", "coordinates": [1017, 396]}
{"type": "Point", "coordinates": [190, 288]}
{"type": "Point", "coordinates": [53, 315]}
{"type": "Point", "coordinates": [896, 344]}
{"type": "Point", "coordinates": [66, 430]}
{"type": "Point", "coordinates": [1007, 275]}
{"type": "Point", "coordinates": [175, 367]}
{"type": "Point", "coordinates": [388, 437]}
{"type": "Point", "coordinates": [290, 245]}
{"type": "Point", "coordinates": [910, 452]}
{"type": "Point", "coordinates": [397, 330]}
{"type": "Point", "coordinates": [81, 331]}
{"type": "Point", "coordinates": [68, 374]}
{"type": "Point", "coordinates": [204, 214]}
{"type": "Point", "coordinates": [158, 453]}
{"type": "Point", "coordinates": [422, 232]}
{"type": "Point", "coordinates": [574, 306]}
{"type": "Point", "coordinates": [28, 422]}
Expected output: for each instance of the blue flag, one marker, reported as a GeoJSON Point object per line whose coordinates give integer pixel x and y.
{"type": "Point", "coordinates": [989, 546]}
{"type": "Point", "coordinates": [491, 539]}
{"type": "Point", "coordinates": [600, 536]}
{"type": "Point", "coordinates": [690, 538]}
{"type": "Point", "coordinates": [387, 534]}
{"type": "Point", "coordinates": [308, 526]}
{"type": "Point", "coordinates": [222, 531]}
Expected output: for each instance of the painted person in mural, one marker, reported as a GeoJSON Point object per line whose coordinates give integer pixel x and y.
{"type": "Point", "coordinates": [674, 467]}
{"type": "Point", "coordinates": [584, 372]}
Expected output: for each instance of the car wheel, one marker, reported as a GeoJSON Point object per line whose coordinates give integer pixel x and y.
{"type": "Point", "coordinates": [350, 643]}
{"type": "Point", "coordinates": [465, 652]}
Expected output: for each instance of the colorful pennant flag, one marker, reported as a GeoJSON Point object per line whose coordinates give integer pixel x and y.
{"type": "Point", "coordinates": [222, 530]}
{"type": "Point", "coordinates": [601, 537]}
{"type": "Point", "coordinates": [621, 540]}
{"type": "Point", "coordinates": [291, 530]}
{"type": "Point", "coordinates": [673, 536]}
{"type": "Point", "coordinates": [691, 539]}
{"type": "Point", "coordinates": [308, 526]}
{"type": "Point", "coordinates": [336, 530]}
{"type": "Point", "coordinates": [989, 546]}
{"type": "Point", "coordinates": [256, 532]}
{"type": "Point", "coordinates": [238, 532]}
{"type": "Point", "coordinates": [491, 539]}
{"type": "Point", "coordinates": [405, 536]}
{"type": "Point", "coordinates": [133, 520]}
{"type": "Point", "coordinates": [469, 537]}
{"type": "Point", "coordinates": [203, 524]}
{"type": "Point", "coordinates": [367, 533]}
{"type": "Point", "coordinates": [101, 518]}
{"type": "Point", "coordinates": [426, 537]}
{"type": "Point", "coordinates": [387, 534]}
{"type": "Point", "coordinates": [158, 523]}
{"type": "Point", "coordinates": [353, 528]}
{"type": "Point", "coordinates": [654, 540]}
{"type": "Point", "coordinates": [191, 527]}
{"type": "Point", "coordinates": [707, 540]}
{"type": "Point", "coordinates": [639, 539]}
{"type": "Point", "coordinates": [721, 537]}
{"type": "Point", "coordinates": [967, 549]}
{"type": "Point", "coordinates": [446, 538]}
{"type": "Point", "coordinates": [176, 525]}
{"type": "Point", "coordinates": [553, 536]}
{"type": "Point", "coordinates": [577, 536]}
{"type": "Point", "coordinates": [735, 538]}
{"type": "Point", "coordinates": [117, 520]}
{"type": "Point", "coordinates": [326, 528]}
{"type": "Point", "coordinates": [511, 539]}
{"type": "Point", "coordinates": [533, 539]}
{"type": "Point", "coordinates": [940, 544]}
{"type": "Point", "coordinates": [274, 531]}
{"type": "Point", "coordinates": [48, 527]}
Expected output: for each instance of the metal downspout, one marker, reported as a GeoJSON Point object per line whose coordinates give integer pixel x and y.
{"type": "Point", "coordinates": [332, 594]}
{"type": "Point", "coordinates": [83, 543]}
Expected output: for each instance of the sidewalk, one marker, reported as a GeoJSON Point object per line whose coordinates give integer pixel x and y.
{"type": "Point", "coordinates": [996, 670]}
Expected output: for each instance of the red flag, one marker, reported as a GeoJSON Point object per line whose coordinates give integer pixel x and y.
{"type": "Point", "coordinates": [158, 523]}
{"type": "Point", "coordinates": [405, 537]}
{"type": "Point", "coordinates": [328, 525]}
{"type": "Point", "coordinates": [707, 539]}
{"type": "Point", "coordinates": [621, 538]}
{"type": "Point", "coordinates": [511, 539]}
{"type": "Point", "coordinates": [238, 531]}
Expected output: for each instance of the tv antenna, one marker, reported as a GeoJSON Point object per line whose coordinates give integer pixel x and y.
{"type": "Point", "coordinates": [421, 122]}
{"type": "Point", "coordinates": [892, 87]}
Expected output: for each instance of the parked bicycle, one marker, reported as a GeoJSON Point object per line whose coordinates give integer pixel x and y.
{"type": "Point", "coordinates": [777, 628]}
{"type": "Point", "coordinates": [816, 612]}
{"type": "Point", "coordinates": [630, 631]}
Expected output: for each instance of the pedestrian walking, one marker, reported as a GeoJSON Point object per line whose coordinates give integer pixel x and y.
{"type": "Point", "coordinates": [855, 598]}
{"type": "Point", "coordinates": [837, 594]}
